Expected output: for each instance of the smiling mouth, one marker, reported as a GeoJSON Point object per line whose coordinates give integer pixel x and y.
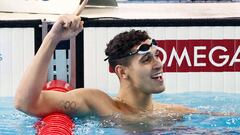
{"type": "Point", "coordinates": [158, 77]}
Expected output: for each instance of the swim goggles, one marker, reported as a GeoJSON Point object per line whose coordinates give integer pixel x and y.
{"type": "Point", "coordinates": [141, 49]}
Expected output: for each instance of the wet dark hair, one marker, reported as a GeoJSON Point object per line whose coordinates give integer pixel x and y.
{"type": "Point", "coordinates": [122, 44]}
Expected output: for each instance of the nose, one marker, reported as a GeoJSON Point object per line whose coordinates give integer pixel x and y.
{"type": "Point", "coordinates": [157, 64]}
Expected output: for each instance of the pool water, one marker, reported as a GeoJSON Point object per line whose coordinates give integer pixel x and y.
{"type": "Point", "coordinates": [13, 122]}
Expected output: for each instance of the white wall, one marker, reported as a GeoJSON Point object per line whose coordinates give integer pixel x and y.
{"type": "Point", "coordinates": [96, 73]}
{"type": "Point", "coordinates": [39, 6]}
{"type": "Point", "coordinates": [44, 9]}
{"type": "Point", "coordinates": [17, 50]}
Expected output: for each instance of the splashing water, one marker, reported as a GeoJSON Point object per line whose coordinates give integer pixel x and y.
{"type": "Point", "coordinates": [13, 122]}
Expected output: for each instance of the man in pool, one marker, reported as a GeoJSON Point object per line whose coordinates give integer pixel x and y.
{"type": "Point", "coordinates": [132, 55]}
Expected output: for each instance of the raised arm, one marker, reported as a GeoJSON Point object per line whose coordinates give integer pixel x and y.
{"type": "Point", "coordinates": [29, 92]}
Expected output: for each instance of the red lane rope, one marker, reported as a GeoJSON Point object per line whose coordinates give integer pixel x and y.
{"type": "Point", "coordinates": [56, 123]}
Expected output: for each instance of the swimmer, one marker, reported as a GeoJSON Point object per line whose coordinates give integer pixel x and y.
{"type": "Point", "coordinates": [132, 55]}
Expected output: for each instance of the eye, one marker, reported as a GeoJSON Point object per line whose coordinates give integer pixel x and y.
{"type": "Point", "coordinates": [147, 58]}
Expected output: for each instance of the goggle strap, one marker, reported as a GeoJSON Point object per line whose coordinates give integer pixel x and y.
{"type": "Point", "coordinates": [157, 47]}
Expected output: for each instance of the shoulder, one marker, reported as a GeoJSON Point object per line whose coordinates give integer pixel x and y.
{"type": "Point", "coordinates": [98, 100]}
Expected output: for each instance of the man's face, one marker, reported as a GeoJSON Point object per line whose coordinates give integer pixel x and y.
{"type": "Point", "coordinates": [146, 71]}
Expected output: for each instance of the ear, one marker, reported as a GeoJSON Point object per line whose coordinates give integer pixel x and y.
{"type": "Point", "coordinates": [121, 71]}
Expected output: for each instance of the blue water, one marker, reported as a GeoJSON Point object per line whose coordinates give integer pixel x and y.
{"type": "Point", "coordinates": [13, 122]}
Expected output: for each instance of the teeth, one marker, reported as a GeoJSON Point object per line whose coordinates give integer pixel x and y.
{"type": "Point", "coordinates": [158, 75]}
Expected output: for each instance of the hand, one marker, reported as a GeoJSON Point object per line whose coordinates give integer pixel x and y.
{"type": "Point", "coordinates": [68, 26]}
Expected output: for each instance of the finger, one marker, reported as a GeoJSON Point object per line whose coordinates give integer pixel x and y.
{"type": "Point", "coordinates": [81, 24]}
{"type": "Point", "coordinates": [80, 8]}
{"type": "Point", "coordinates": [67, 24]}
{"type": "Point", "coordinates": [79, 27]}
{"type": "Point", "coordinates": [75, 25]}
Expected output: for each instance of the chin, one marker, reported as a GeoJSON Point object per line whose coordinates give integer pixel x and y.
{"type": "Point", "coordinates": [159, 90]}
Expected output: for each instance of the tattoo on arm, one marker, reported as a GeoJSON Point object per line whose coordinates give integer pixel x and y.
{"type": "Point", "coordinates": [73, 108]}
{"type": "Point", "coordinates": [68, 106]}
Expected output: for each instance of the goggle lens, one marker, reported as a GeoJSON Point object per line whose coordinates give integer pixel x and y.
{"type": "Point", "coordinates": [144, 48]}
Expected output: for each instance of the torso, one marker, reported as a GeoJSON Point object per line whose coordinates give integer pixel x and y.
{"type": "Point", "coordinates": [120, 112]}
{"type": "Point", "coordinates": [128, 118]}
{"type": "Point", "coordinates": [157, 108]}
{"type": "Point", "coordinates": [160, 111]}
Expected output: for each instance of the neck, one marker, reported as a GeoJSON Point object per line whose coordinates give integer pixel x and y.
{"type": "Point", "coordinates": [136, 99]}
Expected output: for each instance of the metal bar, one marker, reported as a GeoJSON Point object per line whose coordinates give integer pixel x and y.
{"type": "Point", "coordinates": [73, 62]}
